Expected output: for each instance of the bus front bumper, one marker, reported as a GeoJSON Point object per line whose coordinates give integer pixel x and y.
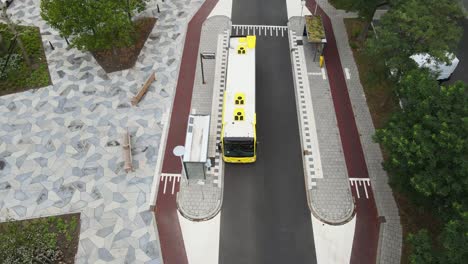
{"type": "Point", "coordinates": [239, 159]}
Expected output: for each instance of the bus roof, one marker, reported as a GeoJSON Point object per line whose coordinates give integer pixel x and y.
{"type": "Point", "coordinates": [240, 85]}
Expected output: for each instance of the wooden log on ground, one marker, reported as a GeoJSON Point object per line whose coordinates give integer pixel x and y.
{"type": "Point", "coordinates": [137, 98]}
{"type": "Point", "coordinates": [127, 152]}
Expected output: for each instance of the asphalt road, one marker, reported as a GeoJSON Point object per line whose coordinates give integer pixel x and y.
{"type": "Point", "coordinates": [460, 73]}
{"type": "Point", "coordinates": [265, 217]}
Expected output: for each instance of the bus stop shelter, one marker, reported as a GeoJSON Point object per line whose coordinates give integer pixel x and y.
{"type": "Point", "coordinates": [315, 33]}
{"type": "Point", "coordinates": [196, 147]}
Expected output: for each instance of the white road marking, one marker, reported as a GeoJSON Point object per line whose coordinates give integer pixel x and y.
{"type": "Point", "coordinates": [201, 239]}
{"type": "Point", "coordinates": [314, 73]}
{"type": "Point", "coordinates": [324, 75]}
{"type": "Point", "coordinates": [348, 75]}
{"type": "Point", "coordinates": [222, 8]}
{"type": "Point", "coordinates": [364, 182]}
{"type": "Point", "coordinates": [333, 244]}
{"type": "Point", "coordinates": [260, 30]}
{"type": "Point", "coordinates": [165, 177]}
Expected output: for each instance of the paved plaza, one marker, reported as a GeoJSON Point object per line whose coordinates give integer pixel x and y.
{"type": "Point", "coordinates": [60, 146]}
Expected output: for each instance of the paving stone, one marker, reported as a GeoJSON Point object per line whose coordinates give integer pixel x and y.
{"type": "Point", "coordinates": [60, 145]}
{"type": "Point", "coordinates": [105, 255]}
{"type": "Point", "coordinates": [124, 233]}
{"type": "Point", "coordinates": [130, 257]}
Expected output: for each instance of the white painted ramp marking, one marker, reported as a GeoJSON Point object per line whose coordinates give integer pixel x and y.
{"type": "Point", "coordinates": [201, 239]}
{"type": "Point", "coordinates": [222, 8]}
{"type": "Point", "coordinates": [333, 244]}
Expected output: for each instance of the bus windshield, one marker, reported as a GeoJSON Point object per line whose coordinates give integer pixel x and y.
{"type": "Point", "coordinates": [239, 147]}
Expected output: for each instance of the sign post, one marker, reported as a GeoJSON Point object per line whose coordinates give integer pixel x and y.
{"type": "Point", "coordinates": [207, 56]}
{"type": "Point", "coordinates": [179, 151]}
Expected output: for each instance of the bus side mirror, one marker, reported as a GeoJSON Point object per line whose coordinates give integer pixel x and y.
{"type": "Point", "coordinates": [219, 146]}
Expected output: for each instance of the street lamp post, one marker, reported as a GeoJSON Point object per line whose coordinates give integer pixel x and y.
{"type": "Point", "coordinates": [302, 6]}
{"type": "Point", "coordinates": [179, 151]}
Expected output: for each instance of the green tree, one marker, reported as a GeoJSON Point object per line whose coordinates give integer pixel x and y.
{"type": "Point", "coordinates": [421, 245]}
{"type": "Point", "coordinates": [366, 10]}
{"type": "Point", "coordinates": [454, 240]}
{"type": "Point", "coordinates": [12, 26]}
{"type": "Point", "coordinates": [427, 142]}
{"type": "Point", "coordinates": [416, 26]}
{"type": "Point", "coordinates": [93, 25]}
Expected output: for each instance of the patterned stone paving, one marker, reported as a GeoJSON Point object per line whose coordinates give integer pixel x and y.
{"type": "Point", "coordinates": [60, 145]}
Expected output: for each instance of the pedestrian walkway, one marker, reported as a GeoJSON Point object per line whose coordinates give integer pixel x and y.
{"type": "Point", "coordinates": [329, 194]}
{"type": "Point", "coordinates": [202, 199]}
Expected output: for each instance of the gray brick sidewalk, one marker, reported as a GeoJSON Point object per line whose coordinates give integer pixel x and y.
{"type": "Point", "coordinates": [329, 193]}
{"type": "Point", "coordinates": [201, 199]}
{"type": "Point", "coordinates": [390, 242]}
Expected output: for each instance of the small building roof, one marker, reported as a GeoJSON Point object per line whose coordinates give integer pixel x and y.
{"type": "Point", "coordinates": [196, 140]}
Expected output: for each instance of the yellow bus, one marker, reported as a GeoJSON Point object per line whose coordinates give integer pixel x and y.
{"type": "Point", "coordinates": [238, 134]}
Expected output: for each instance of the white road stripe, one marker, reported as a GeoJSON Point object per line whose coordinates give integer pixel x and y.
{"type": "Point", "coordinates": [171, 178]}
{"type": "Point", "coordinates": [173, 185]}
{"type": "Point", "coordinates": [364, 182]}
{"type": "Point", "coordinates": [365, 190]}
{"type": "Point", "coordinates": [314, 73]}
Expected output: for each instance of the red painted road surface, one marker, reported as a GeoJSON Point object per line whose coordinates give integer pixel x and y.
{"type": "Point", "coordinates": [367, 227]}
{"type": "Point", "coordinates": [170, 235]}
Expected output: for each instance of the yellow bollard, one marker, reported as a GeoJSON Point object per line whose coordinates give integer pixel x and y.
{"type": "Point", "coordinates": [322, 60]}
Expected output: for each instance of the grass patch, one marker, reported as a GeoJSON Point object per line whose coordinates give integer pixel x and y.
{"type": "Point", "coordinates": [42, 240]}
{"type": "Point", "coordinates": [382, 102]}
{"type": "Point", "coordinates": [19, 77]}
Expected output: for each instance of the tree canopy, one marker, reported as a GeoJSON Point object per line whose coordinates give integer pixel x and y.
{"type": "Point", "coordinates": [93, 25]}
{"type": "Point", "coordinates": [416, 26]}
{"type": "Point", "coordinates": [365, 8]}
{"type": "Point", "coordinates": [427, 147]}
{"type": "Point", "coordinates": [427, 141]}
